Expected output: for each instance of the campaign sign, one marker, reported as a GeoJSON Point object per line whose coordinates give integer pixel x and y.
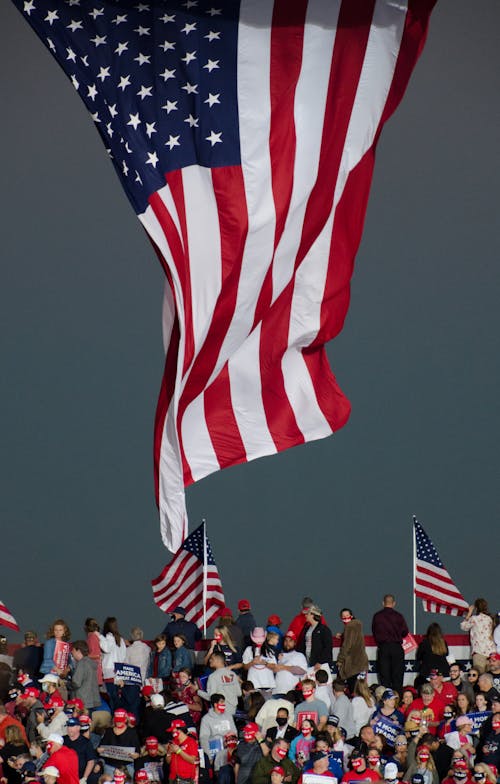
{"type": "Point", "coordinates": [409, 644]}
{"type": "Point", "coordinates": [388, 729]}
{"type": "Point", "coordinates": [61, 654]}
{"type": "Point", "coordinates": [315, 778]}
{"type": "Point", "coordinates": [128, 673]}
{"type": "Point", "coordinates": [477, 720]}
{"type": "Point", "coordinates": [122, 753]}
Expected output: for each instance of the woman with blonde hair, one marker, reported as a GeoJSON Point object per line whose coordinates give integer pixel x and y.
{"type": "Point", "coordinates": [424, 765]}
{"type": "Point", "coordinates": [483, 774]}
{"type": "Point", "coordinates": [363, 704]}
{"type": "Point", "coordinates": [223, 643]}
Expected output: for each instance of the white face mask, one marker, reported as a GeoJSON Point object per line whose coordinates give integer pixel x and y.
{"type": "Point", "coordinates": [45, 687]}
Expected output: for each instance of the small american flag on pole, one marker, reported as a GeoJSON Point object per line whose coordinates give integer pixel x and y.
{"type": "Point", "coordinates": [433, 583]}
{"type": "Point", "coordinates": [7, 619]}
{"type": "Point", "coordinates": [244, 134]}
{"type": "Point", "coordinates": [191, 580]}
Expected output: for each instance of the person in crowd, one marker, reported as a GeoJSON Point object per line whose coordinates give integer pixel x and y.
{"type": "Point", "coordinates": [409, 694]}
{"type": "Point", "coordinates": [84, 685]}
{"type": "Point", "coordinates": [248, 752]}
{"type": "Point", "coordinates": [28, 657]}
{"type": "Point", "coordinates": [310, 706]}
{"type": "Point", "coordinates": [223, 643]}
{"type": "Point", "coordinates": [301, 746]}
{"type": "Point", "coordinates": [320, 764]}
{"type": "Point", "coordinates": [472, 679]}
{"type": "Point", "coordinates": [222, 680]}
{"type": "Point", "coordinates": [464, 730]}
{"type": "Point", "coordinates": [55, 723]}
{"type": "Point", "coordinates": [389, 629]}
{"type": "Point", "coordinates": [387, 709]}
{"type": "Point", "coordinates": [187, 692]}
{"type": "Point", "coordinates": [489, 751]}
{"type": "Point", "coordinates": [291, 665]}
{"type": "Point", "coordinates": [138, 652]}
{"type": "Point", "coordinates": [462, 705]}
{"type": "Point", "coordinates": [63, 759]}
{"type": "Point", "coordinates": [30, 701]}
{"type": "Point", "coordinates": [260, 659]}
{"type": "Point", "coordinates": [255, 705]}
{"type": "Point", "coordinates": [182, 754]}
{"type": "Point", "coordinates": [479, 623]}
{"type": "Point", "coordinates": [444, 689]}
{"type": "Point", "coordinates": [119, 734]}
{"type": "Point", "coordinates": [278, 757]}
{"type": "Point", "coordinates": [424, 765]}
{"type": "Point", "coordinates": [431, 654]}
{"type": "Point", "coordinates": [358, 769]}
{"type": "Point", "coordinates": [152, 760]}
{"type": "Point", "coordinates": [226, 620]}
{"type": "Point", "coordinates": [494, 669]}
{"type": "Point", "coordinates": [459, 773]}
{"type": "Point", "coordinates": [215, 724]}
{"type": "Point", "coordinates": [342, 706]}
{"type": "Point", "coordinates": [485, 683]}
{"type": "Point", "coordinates": [352, 658]}
{"type": "Point", "coordinates": [446, 724]}
{"type": "Point", "coordinates": [114, 651]}
{"type": "Point", "coordinates": [59, 631]}
{"type": "Point", "coordinates": [154, 721]}
{"type": "Point", "coordinates": [363, 704]}
{"type": "Point", "coordinates": [316, 643]}
{"type": "Point", "coordinates": [15, 745]}
{"type": "Point", "coordinates": [92, 630]}
{"type": "Point", "coordinates": [483, 774]}
{"type": "Point", "coordinates": [400, 755]}
{"type": "Point", "coordinates": [481, 703]}
{"type": "Point", "coordinates": [460, 681]}
{"type": "Point", "coordinates": [83, 748]}
{"type": "Point", "coordinates": [431, 708]}
{"type": "Point", "coordinates": [245, 621]}
{"type": "Point", "coordinates": [323, 744]}
{"type": "Point", "coordinates": [274, 625]}
{"type": "Point", "coordinates": [324, 689]}
{"type": "Point", "coordinates": [182, 657]}
{"type": "Point", "coordinates": [374, 761]}
{"type": "Point", "coordinates": [179, 625]}
{"type": "Point", "coordinates": [298, 623]}
{"type": "Point", "coordinates": [282, 729]}
{"type": "Point", "coordinates": [160, 659]}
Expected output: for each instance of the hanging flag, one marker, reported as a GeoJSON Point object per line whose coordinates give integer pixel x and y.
{"type": "Point", "coordinates": [185, 582]}
{"type": "Point", "coordinates": [433, 583]}
{"type": "Point", "coordinates": [244, 135]}
{"type": "Point", "coordinates": [6, 619]}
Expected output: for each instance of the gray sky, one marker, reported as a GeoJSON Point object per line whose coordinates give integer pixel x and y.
{"type": "Point", "coordinates": [81, 363]}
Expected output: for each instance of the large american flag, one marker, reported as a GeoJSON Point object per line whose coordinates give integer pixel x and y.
{"type": "Point", "coordinates": [7, 619]}
{"type": "Point", "coordinates": [191, 580]}
{"type": "Point", "coordinates": [433, 583]}
{"type": "Point", "coordinates": [244, 135]}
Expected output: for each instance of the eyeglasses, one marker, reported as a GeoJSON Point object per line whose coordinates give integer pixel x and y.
{"type": "Point", "coordinates": [472, 675]}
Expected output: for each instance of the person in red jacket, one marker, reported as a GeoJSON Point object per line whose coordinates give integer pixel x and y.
{"type": "Point", "coordinates": [62, 758]}
{"type": "Point", "coordinates": [358, 770]}
{"type": "Point", "coordinates": [460, 773]}
{"type": "Point", "coordinates": [431, 707]}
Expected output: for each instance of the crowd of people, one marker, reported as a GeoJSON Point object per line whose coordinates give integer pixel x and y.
{"type": "Point", "coordinates": [252, 705]}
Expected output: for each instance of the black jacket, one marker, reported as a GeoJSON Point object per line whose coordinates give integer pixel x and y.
{"type": "Point", "coordinates": [321, 645]}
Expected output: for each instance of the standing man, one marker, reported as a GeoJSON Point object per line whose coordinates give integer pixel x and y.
{"type": "Point", "coordinates": [316, 643]}
{"type": "Point", "coordinates": [389, 629]}
{"type": "Point", "coordinates": [179, 625]}
{"type": "Point", "coordinates": [182, 754]}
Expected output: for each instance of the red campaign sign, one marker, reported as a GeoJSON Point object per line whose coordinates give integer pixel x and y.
{"type": "Point", "coordinates": [61, 654]}
{"type": "Point", "coordinates": [409, 644]}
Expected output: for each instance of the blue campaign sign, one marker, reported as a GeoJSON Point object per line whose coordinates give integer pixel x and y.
{"type": "Point", "coordinates": [128, 673]}
{"type": "Point", "coordinates": [478, 718]}
{"type": "Point", "coordinates": [388, 729]}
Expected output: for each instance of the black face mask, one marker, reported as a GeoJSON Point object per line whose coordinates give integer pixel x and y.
{"type": "Point", "coordinates": [281, 721]}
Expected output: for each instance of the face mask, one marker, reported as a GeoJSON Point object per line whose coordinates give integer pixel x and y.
{"type": "Point", "coordinates": [45, 688]}
{"type": "Point", "coordinates": [220, 707]}
{"type": "Point", "coordinates": [249, 736]}
{"type": "Point", "coordinates": [306, 731]}
{"type": "Point", "coordinates": [447, 716]}
{"type": "Point", "coordinates": [479, 776]}
{"type": "Point", "coordinates": [218, 637]}
{"type": "Point", "coordinates": [49, 746]}
{"type": "Point", "coordinates": [460, 774]}
{"type": "Point", "coordinates": [357, 763]}
{"type": "Point", "coordinates": [50, 712]}
{"type": "Point", "coordinates": [423, 757]}
{"type": "Point", "coordinates": [307, 693]}
{"type": "Point", "coordinates": [281, 721]}
{"type": "Point", "coordinates": [281, 753]}
{"type": "Point", "coordinates": [496, 725]}
{"type": "Point", "coordinates": [347, 620]}
{"type": "Point", "coordinates": [373, 761]}
{"type": "Point", "coordinates": [175, 734]}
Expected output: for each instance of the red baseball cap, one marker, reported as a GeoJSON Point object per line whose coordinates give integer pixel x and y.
{"type": "Point", "coordinates": [226, 612]}
{"type": "Point", "coordinates": [141, 775]}
{"type": "Point", "coordinates": [290, 633]}
{"type": "Point", "coordinates": [152, 742]}
{"type": "Point", "coordinates": [273, 620]}
{"type": "Point", "coordinates": [243, 605]}
{"type": "Point", "coordinates": [76, 703]}
{"type": "Point", "coordinates": [30, 692]}
{"type": "Point", "coordinates": [56, 701]}
{"type": "Point", "coordinates": [120, 713]}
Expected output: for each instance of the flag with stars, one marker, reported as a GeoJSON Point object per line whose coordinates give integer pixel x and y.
{"type": "Point", "coordinates": [7, 619]}
{"type": "Point", "coordinates": [433, 583]}
{"type": "Point", "coordinates": [243, 132]}
{"type": "Point", "coordinates": [191, 581]}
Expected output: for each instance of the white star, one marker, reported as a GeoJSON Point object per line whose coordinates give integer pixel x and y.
{"type": "Point", "coordinates": [143, 58]}
{"type": "Point", "coordinates": [142, 30]}
{"type": "Point", "coordinates": [170, 106]}
{"type": "Point", "coordinates": [75, 25]}
{"type": "Point", "coordinates": [152, 158]}
{"type": "Point", "coordinates": [173, 141]}
{"type": "Point", "coordinates": [137, 177]}
{"type": "Point", "coordinates": [119, 19]}
{"type": "Point", "coordinates": [51, 17]}
{"type": "Point", "coordinates": [212, 99]}
{"type": "Point", "coordinates": [85, 60]}
{"type": "Point", "coordinates": [214, 138]}
{"type": "Point", "coordinates": [92, 91]}
{"type": "Point", "coordinates": [193, 121]}
{"type": "Point", "coordinates": [121, 48]}
{"type": "Point", "coordinates": [95, 117]}
{"type": "Point", "coordinates": [188, 28]}
{"type": "Point", "coordinates": [215, 11]}
{"type": "Point", "coordinates": [213, 36]}
{"type": "Point", "coordinates": [189, 56]}
{"type": "Point", "coordinates": [145, 92]}
{"type": "Point", "coordinates": [190, 4]}
{"type": "Point", "coordinates": [29, 6]}
{"type": "Point", "coordinates": [71, 55]}
{"type": "Point", "coordinates": [112, 110]}
{"type": "Point", "coordinates": [96, 12]}
{"type": "Point", "coordinates": [104, 73]}
{"type": "Point", "coordinates": [190, 88]}
{"type": "Point", "coordinates": [127, 147]}
{"type": "Point", "coordinates": [408, 667]}
{"type": "Point", "coordinates": [125, 168]}
{"type": "Point", "coordinates": [142, 7]}
{"type": "Point", "coordinates": [109, 130]}
{"type": "Point", "coordinates": [75, 82]}
{"type": "Point", "coordinates": [166, 45]}
{"type": "Point", "coordinates": [211, 65]}
{"type": "Point", "coordinates": [168, 74]}
{"type": "Point", "coordinates": [73, 2]}
{"type": "Point", "coordinates": [134, 120]}
{"type": "Point", "coordinates": [150, 129]}
{"type": "Point", "coordinates": [167, 18]}
{"type": "Point", "coordinates": [124, 82]}
{"type": "Point", "coordinates": [99, 40]}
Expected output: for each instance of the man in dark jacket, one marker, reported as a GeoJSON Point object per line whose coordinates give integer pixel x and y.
{"type": "Point", "coordinates": [389, 629]}
{"type": "Point", "coordinates": [316, 643]}
{"type": "Point", "coordinates": [179, 625]}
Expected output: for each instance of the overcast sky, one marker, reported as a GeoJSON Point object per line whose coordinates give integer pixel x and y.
{"type": "Point", "coordinates": [81, 363]}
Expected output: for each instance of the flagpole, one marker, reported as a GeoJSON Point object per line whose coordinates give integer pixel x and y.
{"type": "Point", "coordinates": [414, 578]}
{"type": "Point", "coordinates": [204, 577]}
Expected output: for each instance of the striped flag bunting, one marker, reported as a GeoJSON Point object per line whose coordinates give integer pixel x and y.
{"type": "Point", "coordinates": [7, 619]}
{"type": "Point", "coordinates": [183, 581]}
{"type": "Point", "coordinates": [244, 135]}
{"type": "Point", "coordinates": [433, 583]}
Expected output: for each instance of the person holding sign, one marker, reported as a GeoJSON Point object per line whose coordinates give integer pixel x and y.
{"type": "Point", "coordinates": [119, 744]}
{"type": "Point", "coordinates": [182, 754]}
{"type": "Point", "coordinates": [56, 649]}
